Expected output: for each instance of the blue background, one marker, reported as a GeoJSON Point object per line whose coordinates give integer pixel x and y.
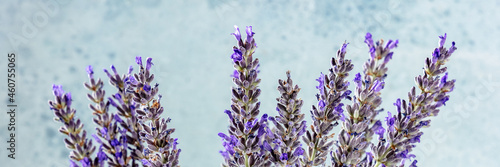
{"type": "Point", "coordinates": [190, 45]}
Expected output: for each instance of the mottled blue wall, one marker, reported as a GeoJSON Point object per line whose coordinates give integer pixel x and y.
{"type": "Point", "coordinates": [190, 44]}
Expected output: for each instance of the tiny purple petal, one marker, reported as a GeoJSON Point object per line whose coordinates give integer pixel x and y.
{"type": "Point", "coordinates": [452, 48]}
{"type": "Point", "coordinates": [149, 63]}
{"type": "Point", "coordinates": [138, 60]}
{"type": "Point", "coordinates": [236, 33]}
{"type": "Point", "coordinates": [249, 34]}
{"type": "Point", "coordinates": [343, 50]}
{"type": "Point", "coordinates": [85, 162]}
{"type": "Point", "coordinates": [236, 74]}
{"type": "Point", "coordinates": [58, 91]}
{"type": "Point", "coordinates": [442, 40]}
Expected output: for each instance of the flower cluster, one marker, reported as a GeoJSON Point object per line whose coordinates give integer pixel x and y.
{"type": "Point", "coordinates": [360, 124]}
{"type": "Point", "coordinates": [243, 145]}
{"type": "Point", "coordinates": [135, 134]}
{"type": "Point", "coordinates": [254, 142]}
{"type": "Point", "coordinates": [404, 127]}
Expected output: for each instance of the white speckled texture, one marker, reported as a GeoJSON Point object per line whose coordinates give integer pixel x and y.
{"type": "Point", "coordinates": [190, 45]}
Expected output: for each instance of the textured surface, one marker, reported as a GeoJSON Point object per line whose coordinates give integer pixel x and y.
{"type": "Point", "coordinates": [191, 47]}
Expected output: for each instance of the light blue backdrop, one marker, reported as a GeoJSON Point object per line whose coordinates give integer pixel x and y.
{"type": "Point", "coordinates": [190, 45]}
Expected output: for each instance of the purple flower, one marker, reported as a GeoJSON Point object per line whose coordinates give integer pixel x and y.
{"type": "Point", "coordinates": [149, 63]}
{"type": "Point", "coordinates": [284, 157]}
{"type": "Point", "coordinates": [414, 163]}
{"type": "Point", "coordinates": [90, 70]}
{"type": "Point", "coordinates": [442, 40]}
{"type": "Point", "coordinates": [377, 86]}
{"type": "Point", "coordinates": [357, 80]}
{"type": "Point", "coordinates": [237, 55]}
{"type": "Point", "coordinates": [249, 34]}
{"type": "Point", "coordinates": [344, 46]}
{"type": "Point", "coordinates": [389, 119]}
{"type": "Point", "coordinates": [138, 60]}
{"type": "Point", "coordinates": [85, 162]}
{"type": "Point", "coordinates": [452, 48]}
{"type": "Point", "coordinates": [236, 33]}
{"type": "Point", "coordinates": [58, 91]}
{"type": "Point", "coordinates": [145, 162]}
{"type": "Point", "coordinates": [392, 44]}
{"type": "Point", "coordinates": [236, 74]}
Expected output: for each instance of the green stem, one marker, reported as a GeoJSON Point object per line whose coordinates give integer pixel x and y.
{"type": "Point", "coordinates": [247, 164]}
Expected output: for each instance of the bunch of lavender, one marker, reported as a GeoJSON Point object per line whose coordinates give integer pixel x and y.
{"type": "Point", "coordinates": [243, 145]}
{"type": "Point", "coordinates": [332, 89]}
{"type": "Point", "coordinates": [360, 124]}
{"type": "Point", "coordinates": [404, 128]}
{"type": "Point", "coordinates": [278, 145]}
{"type": "Point", "coordinates": [133, 135]}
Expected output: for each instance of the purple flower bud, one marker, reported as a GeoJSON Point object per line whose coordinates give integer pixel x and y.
{"type": "Point", "coordinates": [443, 80]}
{"type": "Point", "coordinates": [130, 69]}
{"type": "Point", "coordinates": [249, 34]}
{"type": "Point", "coordinates": [237, 55]}
{"type": "Point", "coordinates": [147, 87]}
{"type": "Point", "coordinates": [344, 47]}
{"type": "Point", "coordinates": [389, 119]}
{"type": "Point", "coordinates": [369, 40]}
{"type": "Point", "coordinates": [321, 81]}
{"type": "Point", "coordinates": [149, 63]}
{"type": "Point", "coordinates": [357, 80]}
{"type": "Point", "coordinates": [104, 132]}
{"type": "Point", "coordinates": [321, 104]}
{"type": "Point", "coordinates": [145, 162]}
{"type": "Point", "coordinates": [414, 163]}
{"type": "Point", "coordinates": [138, 60]}
{"type": "Point", "coordinates": [85, 162]}
{"type": "Point", "coordinates": [442, 40]}
{"type": "Point", "coordinates": [236, 74]}
{"type": "Point", "coordinates": [90, 70]}
{"type": "Point", "coordinates": [388, 57]}
{"type": "Point", "coordinates": [284, 157]}
{"type": "Point", "coordinates": [236, 33]}
{"type": "Point", "coordinates": [452, 48]}
{"type": "Point", "coordinates": [58, 91]}
{"type": "Point", "coordinates": [398, 104]}
{"type": "Point", "coordinates": [378, 86]}
{"type": "Point", "coordinates": [114, 69]}
{"type": "Point", "coordinates": [298, 151]}
{"type": "Point", "coordinates": [392, 44]}
{"type": "Point", "coordinates": [229, 114]}
{"type": "Point", "coordinates": [115, 143]}
{"type": "Point", "coordinates": [68, 99]}
{"type": "Point", "coordinates": [436, 54]}
{"type": "Point", "coordinates": [101, 156]}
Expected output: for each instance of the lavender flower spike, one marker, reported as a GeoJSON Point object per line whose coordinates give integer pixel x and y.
{"type": "Point", "coordinates": [161, 148]}
{"type": "Point", "coordinates": [77, 140]}
{"type": "Point", "coordinates": [286, 149]}
{"type": "Point", "coordinates": [332, 89]}
{"type": "Point", "coordinates": [405, 126]}
{"type": "Point", "coordinates": [360, 124]}
{"type": "Point", "coordinates": [243, 144]}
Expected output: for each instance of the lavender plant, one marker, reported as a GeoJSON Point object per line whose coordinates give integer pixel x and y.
{"type": "Point", "coordinates": [360, 124]}
{"type": "Point", "coordinates": [251, 142]}
{"type": "Point", "coordinates": [134, 135]}
{"type": "Point", "coordinates": [282, 140]}
{"type": "Point", "coordinates": [243, 145]}
{"type": "Point", "coordinates": [332, 89]}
